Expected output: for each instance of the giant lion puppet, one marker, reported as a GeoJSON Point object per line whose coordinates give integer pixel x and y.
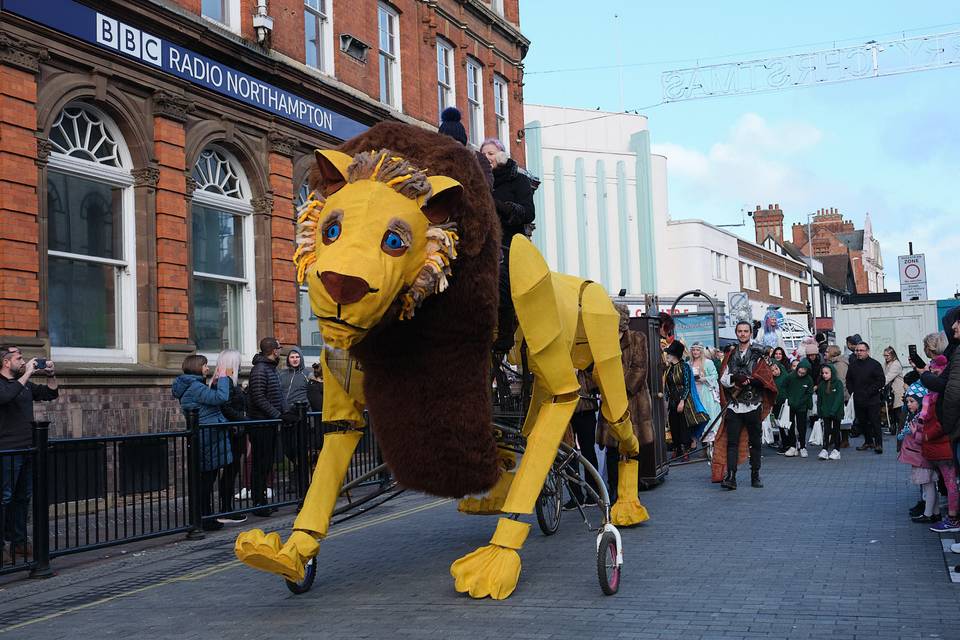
{"type": "Point", "coordinates": [399, 246]}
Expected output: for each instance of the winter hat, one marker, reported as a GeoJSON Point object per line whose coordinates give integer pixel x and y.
{"type": "Point", "coordinates": [810, 346]}
{"type": "Point", "coordinates": [938, 364]}
{"type": "Point", "coordinates": [917, 391]}
{"type": "Point", "coordinates": [450, 125]}
{"type": "Point", "coordinates": [675, 349]}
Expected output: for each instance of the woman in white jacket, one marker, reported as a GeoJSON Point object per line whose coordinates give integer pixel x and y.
{"type": "Point", "coordinates": [893, 373]}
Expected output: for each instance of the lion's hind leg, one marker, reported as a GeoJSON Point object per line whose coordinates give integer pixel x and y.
{"type": "Point", "coordinates": [266, 552]}
{"type": "Point", "coordinates": [601, 322]}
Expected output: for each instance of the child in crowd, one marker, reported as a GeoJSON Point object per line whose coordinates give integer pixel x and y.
{"type": "Point", "coordinates": [911, 453]}
{"type": "Point", "coordinates": [830, 406]}
{"type": "Point", "coordinates": [798, 389]}
{"type": "Point", "coordinates": [936, 449]}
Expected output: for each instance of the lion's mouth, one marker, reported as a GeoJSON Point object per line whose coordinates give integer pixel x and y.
{"type": "Point", "coordinates": [341, 321]}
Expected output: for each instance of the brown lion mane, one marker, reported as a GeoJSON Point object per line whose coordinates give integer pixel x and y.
{"type": "Point", "coordinates": [427, 379]}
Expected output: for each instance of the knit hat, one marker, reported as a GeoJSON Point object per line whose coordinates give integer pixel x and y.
{"type": "Point", "coordinates": [938, 364]}
{"type": "Point", "coordinates": [917, 391]}
{"type": "Point", "coordinates": [450, 125]}
{"type": "Point", "coordinates": [675, 349]}
{"type": "Point", "coordinates": [811, 349]}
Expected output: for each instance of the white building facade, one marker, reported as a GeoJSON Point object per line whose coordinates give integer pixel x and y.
{"type": "Point", "coordinates": [598, 192]}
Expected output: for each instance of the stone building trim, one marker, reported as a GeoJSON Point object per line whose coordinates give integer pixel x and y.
{"type": "Point", "coordinates": [262, 205]}
{"type": "Point", "coordinates": [172, 106]}
{"type": "Point", "coordinates": [281, 143]}
{"type": "Point", "coordinates": [20, 53]}
{"type": "Point", "coordinates": [146, 177]}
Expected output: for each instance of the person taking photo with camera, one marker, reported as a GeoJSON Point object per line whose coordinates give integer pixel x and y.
{"type": "Point", "coordinates": [17, 395]}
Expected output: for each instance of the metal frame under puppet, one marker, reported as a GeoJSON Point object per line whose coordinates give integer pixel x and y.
{"type": "Point", "coordinates": [399, 247]}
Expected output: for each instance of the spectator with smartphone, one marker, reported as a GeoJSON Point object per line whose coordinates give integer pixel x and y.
{"type": "Point", "coordinates": [17, 395]}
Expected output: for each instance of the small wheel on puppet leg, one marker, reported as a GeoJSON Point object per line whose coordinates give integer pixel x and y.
{"type": "Point", "coordinates": [608, 563]}
{"type": "Point", "coordinates": [309, 575]}
{"type": "Point", "coordinates": [549, 504]}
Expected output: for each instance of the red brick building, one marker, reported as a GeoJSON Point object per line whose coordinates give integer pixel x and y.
{"type": "Point", "coordinates": [835, 236]}
{"type": "Point", "coordinates": [152, 154]}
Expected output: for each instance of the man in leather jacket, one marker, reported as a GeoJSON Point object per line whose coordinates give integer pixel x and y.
{"type": "Point", "coordinates": [744, 396]}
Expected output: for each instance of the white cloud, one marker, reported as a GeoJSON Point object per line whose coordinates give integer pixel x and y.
{"type": "Point", "coordinates": [752, 165]}
{"type": "Point", "coordinates": [762, 162]}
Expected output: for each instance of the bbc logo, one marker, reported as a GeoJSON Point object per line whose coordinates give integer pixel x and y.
{"type": "Point", "coordinates": [125, 39]}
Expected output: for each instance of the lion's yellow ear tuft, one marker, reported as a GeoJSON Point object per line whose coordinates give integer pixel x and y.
{"type": "Point", "coordinates": [333, 166]}
{"type": "Point", "coordinates": [444, 199]}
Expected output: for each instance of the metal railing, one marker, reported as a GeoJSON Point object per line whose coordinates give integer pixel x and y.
{"type": "Point", "coordinates": [90, 493]}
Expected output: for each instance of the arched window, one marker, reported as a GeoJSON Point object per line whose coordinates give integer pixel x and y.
{"type": "Point", "coordinates": [91, 240]}
{"type": "Point", "coordinates": [223, 300]}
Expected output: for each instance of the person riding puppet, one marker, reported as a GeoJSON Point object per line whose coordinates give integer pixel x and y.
{"type": "Point", "coordinates": [399, 245]}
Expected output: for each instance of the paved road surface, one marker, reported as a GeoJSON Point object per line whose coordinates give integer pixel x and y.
{"type": "Point", "coordinates": [824, 551]}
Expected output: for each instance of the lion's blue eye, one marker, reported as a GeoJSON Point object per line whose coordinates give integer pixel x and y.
{"type": "Point", "coordinates": [331, 233]}
{"type": "Point", "coordinates": [393, 243]}
{"type": "Point", "coordinates": [393, 240]}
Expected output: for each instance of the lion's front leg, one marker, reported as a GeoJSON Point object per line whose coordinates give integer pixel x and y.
{"type": "Point", "coordinates": [266, 551]}
{"type": "Point", "coordinates": [493, 570]}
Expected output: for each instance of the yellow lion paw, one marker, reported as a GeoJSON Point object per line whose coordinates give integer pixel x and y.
{"type": "Point", "coordinates": [626, 513]}
{"type": "Point", "coordinates": [489, 571]}
{"type": "Point", "coordinates": [492, 570]}
{"type": "Point", "coordinates": [492, 501]}
{"type": "Point", "coordinates": [264, 552]}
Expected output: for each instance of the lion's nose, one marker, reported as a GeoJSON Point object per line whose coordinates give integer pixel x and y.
{"type": "Point", "coordinates": [344, 289]}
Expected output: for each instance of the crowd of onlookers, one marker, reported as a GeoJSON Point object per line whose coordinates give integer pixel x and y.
{"type": "Point", "coordinates": [271, 393]}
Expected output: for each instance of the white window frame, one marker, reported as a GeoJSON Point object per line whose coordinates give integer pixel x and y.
{"type": "Point", "coordinates": [748, 276]}
{"type": "Point", "coordinates": [248, 292]}
{"type": "Point", "coordinates": [231, 12]}
{"type": "Point", "coordinates": [475, 134]}
{"type": "Point", "coordinates": [446, 94]}
{"type": "Point", "coordinates": [796, 294]}
{"type": "Point", "coordinates": [126, 285]}
{"type": "Point", "coordinates": [497, 6]}
{"type": "Point", "coordinates": [501, 94]}
{"type": "Point", "coordinates": [324, 22]}
{"type": "Point", "coordinates": [773, 284]}
{"type": "Point", "coordinates": [394, 67]}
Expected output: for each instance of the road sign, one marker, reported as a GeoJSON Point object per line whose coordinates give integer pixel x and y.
{"type": "Point", "coordinates": [913, 277]}
{"type": "Point", "coordinates": [738, 307]}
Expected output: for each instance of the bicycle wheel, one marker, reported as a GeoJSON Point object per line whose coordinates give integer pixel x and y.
{"type": "Point", "coordinates": [549, 504]}
{"type": "Point", "coordinates": [608, 571]}
{"type": "Point", "coordinates": [309, 575]}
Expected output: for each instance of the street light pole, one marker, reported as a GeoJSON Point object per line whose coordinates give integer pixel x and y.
{"type": "Point", "coordinates": [810, 299]}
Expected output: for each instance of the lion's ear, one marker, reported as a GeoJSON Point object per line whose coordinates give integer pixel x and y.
{"type": "Point", "coordinates": [445, 198]}
{"type": "Point", "coordinates": [333, 170]}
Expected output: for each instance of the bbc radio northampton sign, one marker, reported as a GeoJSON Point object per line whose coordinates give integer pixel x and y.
{"type": "Point", "coordinates": [109, 33]}
{"type": "Point", "coordinates": [913, 277]}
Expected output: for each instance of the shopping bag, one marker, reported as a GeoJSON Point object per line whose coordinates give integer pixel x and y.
{"type": "Point", "coordinates": [848, 413]}
{"type": "Point", "coordinates": [767, 435]}
{"type": "Point", "coordinates": [783, 420]}
{"type": "Point", "coordinates": [816, 436]}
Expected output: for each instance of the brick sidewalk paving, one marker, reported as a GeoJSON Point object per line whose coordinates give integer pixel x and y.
{"type": "Point", "coordinates": [826, 550]}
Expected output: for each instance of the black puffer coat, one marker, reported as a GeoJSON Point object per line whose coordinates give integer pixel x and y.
{"type": "Point", "coordinates": [264, 396]}
{"type": "Point", "coordinates": [513, 195]}
{"type": "Point", "coordinates": [864, 380]}
{"type": "Point", "coordinates": [947, 384]}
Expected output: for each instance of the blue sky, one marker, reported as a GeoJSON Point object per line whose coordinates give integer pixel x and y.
{"type": "Point", "coordinates": [888, 146]}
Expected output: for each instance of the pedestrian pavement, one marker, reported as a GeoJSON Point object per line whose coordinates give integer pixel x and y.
{"type": "Point", "coordinates": [825, 550]}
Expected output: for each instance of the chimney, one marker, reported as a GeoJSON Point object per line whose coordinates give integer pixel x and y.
{"type": "Point", "coordinates": [768, 222]}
